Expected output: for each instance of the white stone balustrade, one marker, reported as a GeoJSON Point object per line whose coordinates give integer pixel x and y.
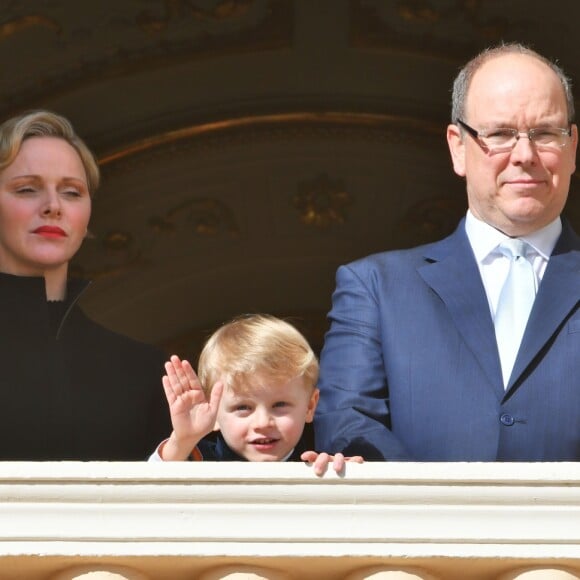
{"type": "Point", "coordinates": [455, 521]}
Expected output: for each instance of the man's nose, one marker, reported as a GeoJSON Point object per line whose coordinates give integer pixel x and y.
{"type": "Point", "coordinates": [524, 150]}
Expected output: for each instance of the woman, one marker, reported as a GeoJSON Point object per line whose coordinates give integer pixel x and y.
{"type": "Point", "coordinates": [69, 388]}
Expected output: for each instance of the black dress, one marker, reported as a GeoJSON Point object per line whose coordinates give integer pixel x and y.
{"type": "Point", "coordinates": [71, 389]}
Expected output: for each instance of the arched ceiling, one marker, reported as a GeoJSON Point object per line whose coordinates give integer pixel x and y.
{"type": "Point", "coordinates": [249, 147]}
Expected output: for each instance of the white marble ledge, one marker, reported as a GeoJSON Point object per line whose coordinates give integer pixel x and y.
{"type": "Point", "coordinates": [383, 511]}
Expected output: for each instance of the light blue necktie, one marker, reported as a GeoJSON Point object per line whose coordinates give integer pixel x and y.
{"type": "Point", "coordinates": [515, 303]}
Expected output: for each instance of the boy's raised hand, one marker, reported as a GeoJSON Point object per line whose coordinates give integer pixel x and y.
{"type": "Point", "coordinates": [192, 415]}
{"type": "Point", "coordinates": [320, 461]}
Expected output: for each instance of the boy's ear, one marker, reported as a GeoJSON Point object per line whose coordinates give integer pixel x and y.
{"type": "Point", "coordinates": [312, 405]}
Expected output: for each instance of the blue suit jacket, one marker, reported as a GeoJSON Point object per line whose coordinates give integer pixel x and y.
{"type": "Point", "coordinates": [410, 368]}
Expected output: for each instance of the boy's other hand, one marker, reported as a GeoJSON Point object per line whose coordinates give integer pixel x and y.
{"type": "Point", "coordinates": [320, 461]}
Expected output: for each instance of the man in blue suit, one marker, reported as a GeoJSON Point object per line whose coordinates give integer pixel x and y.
{"type": "Point", "coordinates": [411, 368]}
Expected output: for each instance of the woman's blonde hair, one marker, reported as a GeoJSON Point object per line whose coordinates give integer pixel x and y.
{"type": "Point", "coordinates": [256, 344]}
{"type": "Point", "coordinates": [16, 130]}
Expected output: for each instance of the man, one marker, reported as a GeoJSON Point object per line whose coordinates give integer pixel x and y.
{"type": "Point", "coordinates": [413, 367]}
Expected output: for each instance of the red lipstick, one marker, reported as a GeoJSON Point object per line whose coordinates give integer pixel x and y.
{"type": "Point", "coordinates": [50, 232]}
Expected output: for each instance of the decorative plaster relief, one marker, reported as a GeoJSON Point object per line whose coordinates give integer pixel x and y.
{"type": "Point", "coordinates": [322, 202]}
{"type": "Point", "coordinates": [102, 42]}
{"type": "Point", "coordinates": [440, 29]}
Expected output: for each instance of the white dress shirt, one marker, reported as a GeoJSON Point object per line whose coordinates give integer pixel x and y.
{"type": "Point", "coordinates": [494, 266]}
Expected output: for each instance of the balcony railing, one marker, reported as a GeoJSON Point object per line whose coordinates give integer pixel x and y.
{"type": "Point", "coordinates": [182, 520]}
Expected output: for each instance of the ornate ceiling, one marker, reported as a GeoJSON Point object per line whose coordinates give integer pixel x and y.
{"type": "Point", "coordinates": [249, 147]}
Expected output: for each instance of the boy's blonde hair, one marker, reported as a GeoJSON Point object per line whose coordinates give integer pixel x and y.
{"type": "Point", "coordinates": [256, 344]}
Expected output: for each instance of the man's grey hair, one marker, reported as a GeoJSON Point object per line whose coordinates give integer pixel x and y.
{"type": "Point", "coordinates": [463, 80]}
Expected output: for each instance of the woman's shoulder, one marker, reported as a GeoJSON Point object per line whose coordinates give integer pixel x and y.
{"type": "Point", "coordinates": [92, 334]}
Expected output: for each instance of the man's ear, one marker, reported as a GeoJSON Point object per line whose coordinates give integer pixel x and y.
{"type": "Point", "coordinates": [456, 145]}
{"type": "Point", "coordinates": [574, 145]}
{"type": "Point", "coordinates": [312, 405]}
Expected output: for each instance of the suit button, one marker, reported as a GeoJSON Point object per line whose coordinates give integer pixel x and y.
{"type": "Point", "coordinates": [507, 420]}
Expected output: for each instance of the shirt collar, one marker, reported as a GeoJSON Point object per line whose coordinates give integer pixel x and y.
{"type": "Point", "coordinates": [287, 457]}
{"type": "Point", "coordinates": [484, 238]}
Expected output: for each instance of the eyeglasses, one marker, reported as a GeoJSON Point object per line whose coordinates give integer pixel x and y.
{"type": "Point", "coordinates": [504, 139]}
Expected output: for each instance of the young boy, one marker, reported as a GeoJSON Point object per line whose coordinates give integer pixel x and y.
{"type": "Point", "coordinates": [256, 386]}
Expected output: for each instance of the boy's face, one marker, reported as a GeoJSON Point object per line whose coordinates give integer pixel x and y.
{"type": "Point", "coordinates": [265, 422]}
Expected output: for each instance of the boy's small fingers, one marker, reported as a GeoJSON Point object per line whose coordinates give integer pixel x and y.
{"type": "Point", "coordinates": [192, 379]}
{"type": "Point", "coordinates": [173, 376]}
{"type": "Point", "coordinates": [186, 377]}
{"type": "Point", "coordinates": [216, 395]}
{"type": "Point", "coordinates": [177, 383]}
{"type": "Point", "coordinates": [169, 394]}
{"type": "Point", "coordinates": [321, 463]}
{"type": "Point", "coordinates": [338, 462]}
{"type": "Point", "coordinates": [175, 363]}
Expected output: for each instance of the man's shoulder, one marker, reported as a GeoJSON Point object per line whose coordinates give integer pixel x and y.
{"type": "Point", "coordinates": [410, 257]}
{"type": "Point", "coordinates": [400, 258]}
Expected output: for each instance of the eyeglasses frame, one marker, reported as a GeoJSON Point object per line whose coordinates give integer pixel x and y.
{"type": "Point", "coordinates": [476, 135]}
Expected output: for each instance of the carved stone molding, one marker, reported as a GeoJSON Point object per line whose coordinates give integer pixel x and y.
{"type": "Point", "coordinates": [14, 26]}
{"type": "Point", "coordinates": [164, 33]}
{"type": "Point", "coordinates": [174, 10]}
{"type": "Point", "coordinates": [383, 127]}
{"type": "Point", "coordinates": [422, 26]}
{"type": "Point", "coordinates": [118, 252]}
{"type": "Point", "coordinates": [457, 521]}
{"type": "Point", "coordinates": [201, 216]}
{"type": "Point", "coordinates": [321, 202]}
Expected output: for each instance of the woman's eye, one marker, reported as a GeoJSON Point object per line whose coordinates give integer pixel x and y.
{"type": "Point", "coordinates": [26, 189]}
{"type": "Point", "coordinates": [242, 408]}
{"type": "Point", "coordinates": [72, 193]}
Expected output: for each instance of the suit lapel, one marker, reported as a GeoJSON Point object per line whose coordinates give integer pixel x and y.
{"type": "Point", "coordinates": [558, 294]}
{"type": "Point", "coordinates": [452, 272]}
